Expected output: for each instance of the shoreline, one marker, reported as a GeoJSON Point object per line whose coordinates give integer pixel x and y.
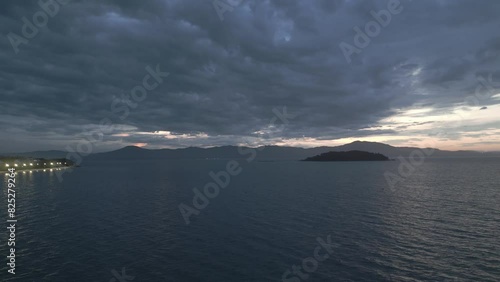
{"type": "Point", "coordinates": [23, 169]}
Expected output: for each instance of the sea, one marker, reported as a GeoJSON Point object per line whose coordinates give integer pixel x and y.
{"type": "Point", "coordinates": [249, 220]}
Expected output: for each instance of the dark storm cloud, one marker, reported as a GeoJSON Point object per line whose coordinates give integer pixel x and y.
{"type": "Point", "coordinates": [227, 76]}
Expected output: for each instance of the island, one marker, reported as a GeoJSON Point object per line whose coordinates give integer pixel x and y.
{"type": "Point", "coordinates": [348, 156]}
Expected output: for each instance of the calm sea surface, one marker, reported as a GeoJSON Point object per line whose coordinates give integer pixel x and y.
{"type": "Point", "coordinates": [442, 223]}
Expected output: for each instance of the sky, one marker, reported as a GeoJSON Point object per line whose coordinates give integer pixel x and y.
{"type": "Point", "coordinates": [179, 73]}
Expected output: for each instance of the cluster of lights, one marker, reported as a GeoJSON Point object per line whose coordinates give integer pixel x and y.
{"type": "Point", "coordinates": [30, 164]}
{"type": "Point", "coordinates": [24, 172]}
{"type": "Point", "coordinates": [34, 164]}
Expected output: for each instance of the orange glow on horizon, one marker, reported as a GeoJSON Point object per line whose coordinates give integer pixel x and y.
{"type": "Point", "coordinates": [140, 144]}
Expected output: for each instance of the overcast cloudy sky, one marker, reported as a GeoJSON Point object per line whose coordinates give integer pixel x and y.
{"type": "Point", "coordinates": [430, 76]}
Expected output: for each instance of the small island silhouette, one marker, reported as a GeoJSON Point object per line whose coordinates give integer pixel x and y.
{"type": "Point", "coordinates": [348, 156]}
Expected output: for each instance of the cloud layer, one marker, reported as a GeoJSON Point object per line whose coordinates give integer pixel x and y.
{"type": "Point", "coordinates": [227, 76]}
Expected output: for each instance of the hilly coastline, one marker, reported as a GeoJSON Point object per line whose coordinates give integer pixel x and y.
{"type": "Point", "coordinates": [266, 153]}
{"type": "Point", "coordinates": [263, 153]}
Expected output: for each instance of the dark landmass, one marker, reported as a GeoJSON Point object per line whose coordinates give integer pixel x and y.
{"type": "Point", "coordinates": [349, 156]}
{"type": "Point", "coordinates": [275, 153]}
{"type": "Point", "coordinates": [53, 154]}
{"type": "Point", "coordinates": [264, 153]}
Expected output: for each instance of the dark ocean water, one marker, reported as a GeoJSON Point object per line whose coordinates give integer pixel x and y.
{"type": "Point", "coordinates": [442, 223]}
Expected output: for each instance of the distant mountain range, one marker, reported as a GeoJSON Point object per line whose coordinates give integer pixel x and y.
{"type": "Point", "coordinates": [273, 152]}
{"type": "Point", "coordinates": [261, 153]}
{"type": "Point", "coordinates": [53, 154]}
